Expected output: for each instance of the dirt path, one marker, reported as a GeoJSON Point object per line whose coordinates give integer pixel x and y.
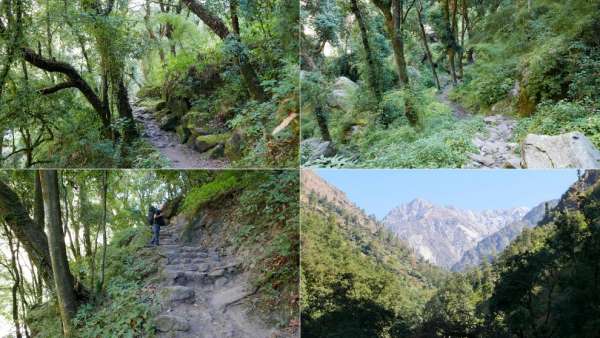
{"type": "Point", "coordinates": [495, 148]}
{"type": "Point", "coordinates": [182, 156]}
{"type": "Point", "coordinates": [201, 294]}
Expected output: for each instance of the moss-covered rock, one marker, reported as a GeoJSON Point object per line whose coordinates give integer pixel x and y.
{"type": "Point", "coordinates": [234, 145]}
{"type": "Point", "coordinates": [204, 143]}
{"type": "Point", "coordinates": [183, 133]}
{"type": "Point", "coordinates": [169, 122]}
{"type": "Point", "coordinates": [217, 152]}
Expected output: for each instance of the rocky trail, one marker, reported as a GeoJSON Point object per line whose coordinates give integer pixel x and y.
{"type": "Point", "coordinates": [201, 294]}
{"type": "Point", "coordinates": [167, 143]}
{"type": "Point", "coordinates": [495, 147]}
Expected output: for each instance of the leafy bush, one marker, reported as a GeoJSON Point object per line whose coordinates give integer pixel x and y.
{"type": "Point", "coordinates": [443, 141]}
{"type": "Point", "coordinates": [556, 118]}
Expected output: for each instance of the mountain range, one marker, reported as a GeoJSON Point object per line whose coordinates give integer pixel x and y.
{"type": "Point", "coordinates": [445, 236]}
{"type": "Point", "coordinates": [442, 234]}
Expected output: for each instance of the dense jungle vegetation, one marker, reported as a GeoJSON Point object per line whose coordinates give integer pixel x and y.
{"type": "Point", "coordinates": [433, 83]}
{"type": "Point", "coordinates": [545, 284]}
{"type": "Point", "coordinates": [105, 83]}
{"type": "Point", "coordinates": [74, 253]}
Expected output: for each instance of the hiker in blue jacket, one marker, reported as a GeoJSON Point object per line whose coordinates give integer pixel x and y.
{"type": "Point", "coordinates": [156, 220]}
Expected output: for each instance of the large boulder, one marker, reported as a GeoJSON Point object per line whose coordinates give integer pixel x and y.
{"type": "Point", "coordinates": [168, 323]}
{"type": "Point", "coordinates": [570, 150]}
{"type": "Point", "coordinates": [342, 94]}
{"type": "Point", "coordinates": [204, 143]}
{"type": "Point", "coordinates": [314, 148]}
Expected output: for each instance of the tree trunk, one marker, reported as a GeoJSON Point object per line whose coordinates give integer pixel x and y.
{"type": "Point", "coordinates": [394, 24]}
{"type": "Point", "coordinates": [426, 44]}
{"type": "Point", "coordinates": [450, 43]}
{"type": "Point", "coordinates": [249, 75]}
{"type": "Point", "coordinates": [83, 207]}
{"type": "Point", "coordinates": [29, 233]}
{"type": "Point", "coordinates": [65, 290]}
{"type": "Point", "coordinates": [104, 242]}
{"type": "Point", "coordinates": [130, 133]}
{"type": "Point", "coordinates": [373, 78]}
{"type": "Point", "coordinates": [66, 216]}
{"type": "Point", "coordinates": [322, 122]}
{"type": "Point", "coordinates": [38, 202]}
{"type": "Point", "coordinates": [15, 274]}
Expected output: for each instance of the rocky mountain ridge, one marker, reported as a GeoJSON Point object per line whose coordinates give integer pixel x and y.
{"type": "Point", "coordinates": [313, 185]}
{"type": "Point", "coordinates": [442, 234]}
{"type": "Point", "coordinates": [488, 247]}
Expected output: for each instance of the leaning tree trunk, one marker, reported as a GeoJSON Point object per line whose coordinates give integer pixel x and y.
{"type": "Point", "coordinates": [322, 122]}
{"type": "Point", "coordinates": [65, 290]}
{"type": "Point", "coordinates": [29, 233]}
{"type": "Point", "coordinates": [426, 45]}
{"type": "Point", "coordinates": [373, 78]}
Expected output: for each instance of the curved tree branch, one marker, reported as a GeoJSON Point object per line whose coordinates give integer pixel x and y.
{"type": "Point", "coordinates": [58, 87]}
{"type": "Point", "coordinates": [77, 81]}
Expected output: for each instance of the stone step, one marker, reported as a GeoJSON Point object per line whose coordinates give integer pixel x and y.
{"type": "Point", "coordinates": [189, 260]}
{"type": "Point", "coordinates": [170, 323]}
{"type": "Point", "coordinates": [179, 294]}
{"type": "Point", "coordinates": [181, 267]}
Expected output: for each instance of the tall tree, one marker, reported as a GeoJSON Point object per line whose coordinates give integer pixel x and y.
{"type": "Point", "coordinates": [30, 234]}
{"type": "Point", "coordinates": [373, 74]}
{"type": "Point", "coordinates": [426, 44]}
{"type": "Point", "coordinates": [64, 283]}
{"type": "Point", "coordinates": [449, 15]}
{"type": "Point", "coordinates": [394, 16]}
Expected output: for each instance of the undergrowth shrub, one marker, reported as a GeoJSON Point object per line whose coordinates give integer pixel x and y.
{"type": "Point", "coordinates": [553, 118]}
{"type": "Point", "coordinates": [441, 142]}
{"type": "Point", "coordinates": [123, 309]}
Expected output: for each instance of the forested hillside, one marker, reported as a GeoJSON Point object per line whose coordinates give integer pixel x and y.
{"type": "Point", "coordinates": [544, 284]}
{"type": "Point", "coordinates": [450, 83]}
{"type": "Point", "coordinates": [75, 258]}
{"type": "Point", "coordinates": [357, 278]}
{"type": "Point", "coordinates": [141, 83]}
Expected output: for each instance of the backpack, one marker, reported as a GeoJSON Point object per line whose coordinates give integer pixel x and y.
{"type": "Point", "coordinates": [151, 213]}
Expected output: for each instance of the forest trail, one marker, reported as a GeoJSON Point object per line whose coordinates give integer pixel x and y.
{"type": "Point", "coordinates": [182, 156]}
{"type": "Point", "coordinates": [495, 147]}
{"type": "Point", "coordinates": [201, 294]}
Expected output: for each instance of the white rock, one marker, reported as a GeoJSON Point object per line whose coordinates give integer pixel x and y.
{"type": "Point", "coordinates": [342, 94]}
{"type": "Point", "coordinates": [570, 150]}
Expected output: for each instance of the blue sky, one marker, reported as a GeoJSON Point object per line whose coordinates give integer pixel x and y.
{"type": "Point", "coordinates": [378, 191]}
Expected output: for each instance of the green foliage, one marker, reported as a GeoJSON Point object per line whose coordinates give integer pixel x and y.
{"type": "Point", "coordinates": [564, 116]}
{"type": "Point", "coordinates": [197, 197]}
{"type": "Point", "coordinates": [442, 142]}
{"type": "Point", "coordinates": [354, 282]}
{"type": "Point", "coordinates": [125, 309]}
